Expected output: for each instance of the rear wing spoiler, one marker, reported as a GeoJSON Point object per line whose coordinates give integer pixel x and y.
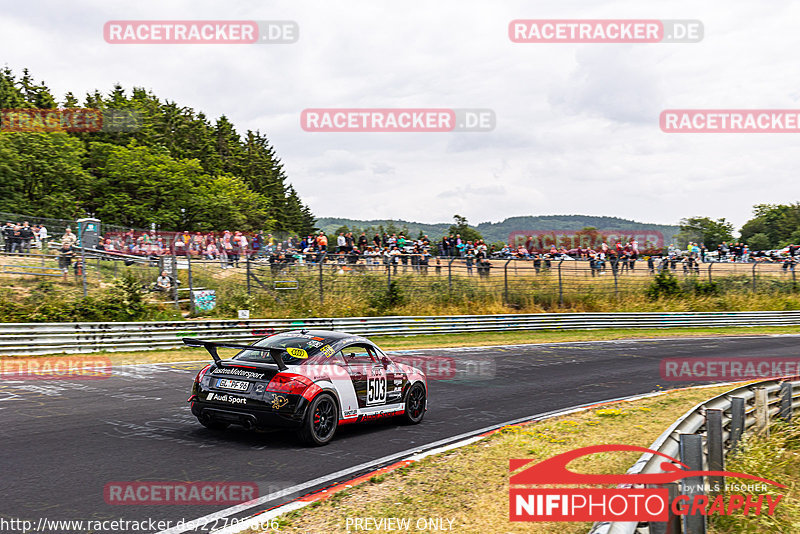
{"type": "Point", "coordinates": [211, 347]}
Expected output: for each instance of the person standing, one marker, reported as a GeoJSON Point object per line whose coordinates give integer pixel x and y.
{"type": "Point", "coordinates": [43, 238]}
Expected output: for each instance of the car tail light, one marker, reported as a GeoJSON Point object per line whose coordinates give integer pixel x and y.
{"type": "Point", "coordinates": [201, 373]}
{"type": "Point", "coordinates": [293, 384]}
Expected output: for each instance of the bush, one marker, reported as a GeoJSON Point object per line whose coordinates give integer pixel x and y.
{"type": "Point", "coordinates": [664, 285]}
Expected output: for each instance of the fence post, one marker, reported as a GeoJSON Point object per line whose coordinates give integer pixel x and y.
{"type": "Point", "coordinates": [691, 454]}
{"type": "Point", "coordinates": [560, 285]}
{"type": "Point", "coordinates": [247, 274]}
{"type": "Point", "coordinates": [450, 274]}
{"type": "Point", "coordinates": [786, 401]}
{"type": "Point", "coordinates": [762, 411]}
{"type": "Point", "coordinates": [714, 445]}
{"type": "Point", "coordinates": [321, 287]}
{"type": "Point", "coordinates": [505, 281]}
{"type": "Point", "coordinates": [737, 421]}
{"type": "Point", "coordinates": [389, 277]}
{"type": "Point", "coordinates": [191, 286]}
{"type": "Point", "coordinates": [754, 277]}
{"type": "Point", "coordinates": [710, 264]}
{"type": "Point", "coordinates": [175, 280]}
{"type": "Point", "coordinates": [614, 265]}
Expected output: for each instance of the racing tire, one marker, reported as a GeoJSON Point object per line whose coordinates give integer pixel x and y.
{"type": "Point", "coordinates": [321, 420]}
{"type": "Point", "coordinates": [415, 404]}
{"type": "Point", "coordinates": [216, 426]}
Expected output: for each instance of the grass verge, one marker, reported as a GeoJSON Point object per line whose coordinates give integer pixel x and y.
{"type": "Point", "coordinates": [473, 339]}
{"type": "Point", "coordinates": [470, 485]}
{"type": "Point", "coordinates": [776, 457]}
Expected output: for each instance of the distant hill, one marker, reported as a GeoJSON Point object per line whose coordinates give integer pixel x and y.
{"type": "Point", "coordinates": [500, 231]}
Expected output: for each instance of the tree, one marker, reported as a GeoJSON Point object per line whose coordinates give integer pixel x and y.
{"type": "Point", "coordinates": [778, 222]}
{"type": "Point", "coordinates": [704, 230]}
{"type": "Point", "coordinates": [758, 242]}
{"type": "Point", "coordinates": [462, 227]}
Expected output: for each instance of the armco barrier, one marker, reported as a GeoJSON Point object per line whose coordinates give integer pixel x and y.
{"type": "Point", "coordinates": [780, 399]}
{"type": "Point", "coordinates": [53, 338]}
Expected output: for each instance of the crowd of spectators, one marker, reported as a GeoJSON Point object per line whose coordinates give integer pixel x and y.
{"type": "Point", "coordinates": [19, 238]}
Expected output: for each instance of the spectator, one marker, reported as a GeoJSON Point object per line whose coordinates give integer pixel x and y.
{"type": "Point", "coordinates": [8, 236]}
{"type": "Point", "coordinates": [65, 255]}
{"type": "Point", "coordinates": [69, 237]}
{"type": "Point", "coordinates": [43, 238]}
{"type": "Point", "coordinates": [163, 282]}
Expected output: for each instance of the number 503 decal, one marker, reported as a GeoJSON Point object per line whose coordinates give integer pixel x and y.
{"type": "Point", "coordinates": [376, 389]}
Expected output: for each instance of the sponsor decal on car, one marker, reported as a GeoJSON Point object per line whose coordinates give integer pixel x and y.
{"type": "Point", "coordinates": [279, 401]}
{"type": "Point", "coordinates": [238, 372]}
{"type": "Point", "coordinates": [297, 353]}
{"type": "Point", "coordinates": [327, 350]}
{"type": "Point", "coordinates": [226, 398]}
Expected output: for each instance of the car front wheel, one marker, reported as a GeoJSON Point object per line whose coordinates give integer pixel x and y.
{"type": "Point", "coordinates": [321, 420]}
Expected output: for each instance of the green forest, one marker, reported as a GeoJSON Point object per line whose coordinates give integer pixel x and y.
{"type": "Point", "coordinates": [179, 170]}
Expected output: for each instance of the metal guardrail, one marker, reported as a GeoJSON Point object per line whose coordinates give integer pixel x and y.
{"type": "Point", "coordinates": [53, 338]}
{"type": "Point", "coordinates": [733, 412]}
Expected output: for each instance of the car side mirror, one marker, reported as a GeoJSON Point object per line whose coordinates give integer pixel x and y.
{"type": "Point", "coordinates": [386, 362]}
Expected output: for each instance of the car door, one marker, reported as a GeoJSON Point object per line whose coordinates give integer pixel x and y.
{"type": "Point", "coordinates": [368, 375]}
{"type": "Point", "coordinates": [395, 377]}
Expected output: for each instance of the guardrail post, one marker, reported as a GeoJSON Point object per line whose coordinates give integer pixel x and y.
{"type": "Point", "coordinates": [762, 411]}
{"type": "Point", "coordinates": [737, 421]}
{"type": "Point", "coordinates": [691, 454]}
{"type": "Point", "coordinates": [714, 448]}
{"type": "Point", "coordinates": [786, 401]}
{"type": "Point", "coordinates": [673, 524]}
{"type": "Point", "coordinates": [560, 286]}
{"type": "Point", "coordinates": [754, 277]}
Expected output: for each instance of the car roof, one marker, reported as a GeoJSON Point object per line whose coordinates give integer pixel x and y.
{"type": "Point", "coordinates": [331, 336]}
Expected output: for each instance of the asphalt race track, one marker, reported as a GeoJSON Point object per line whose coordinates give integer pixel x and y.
{"type": "Point", "coordinates": [63, 441]}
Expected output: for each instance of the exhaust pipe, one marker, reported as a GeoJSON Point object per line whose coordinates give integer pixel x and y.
{"type": "Point", "coordinates": [248, 424]}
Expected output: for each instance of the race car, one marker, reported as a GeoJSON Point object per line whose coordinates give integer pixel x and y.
{"type": "Point", "coordinates": [311, 380]}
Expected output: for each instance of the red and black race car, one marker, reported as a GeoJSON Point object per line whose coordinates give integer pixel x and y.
{"type": "Point", "coordinates": [313, 380]}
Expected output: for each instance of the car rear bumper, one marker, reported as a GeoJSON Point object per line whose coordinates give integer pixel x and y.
{"type": "Point", "coordinates": [248, 418]}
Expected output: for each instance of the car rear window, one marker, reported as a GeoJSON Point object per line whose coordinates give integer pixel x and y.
{"type": "Point", "coordinates": [281, 345]}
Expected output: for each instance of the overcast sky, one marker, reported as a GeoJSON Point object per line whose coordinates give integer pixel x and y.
{"type": "Point", "coordinates": [577, 124]}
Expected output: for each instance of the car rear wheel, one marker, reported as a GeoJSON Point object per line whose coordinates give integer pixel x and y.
{"type": "Point", "coordinates": [415, 404]}
{"type": "Point", "coordinates": [322, 418]}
